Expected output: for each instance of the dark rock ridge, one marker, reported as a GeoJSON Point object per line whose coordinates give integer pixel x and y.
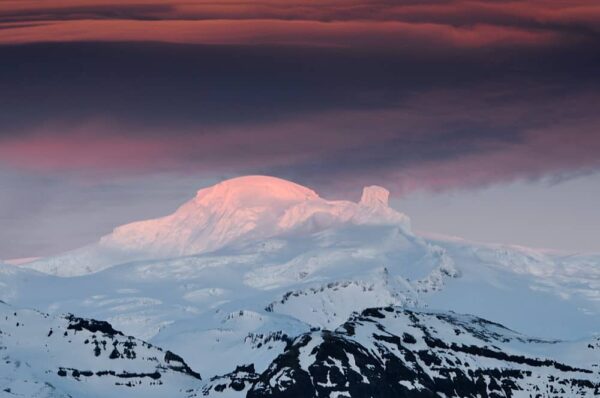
{"type": "Point", "coordinates": [84, 352]}
{"type": "Point", "coordinates": [379, 353]}
{"type": "Point", "coordinates": [91, 325]}
{"type": "Point", "coordinates": [397, 352]}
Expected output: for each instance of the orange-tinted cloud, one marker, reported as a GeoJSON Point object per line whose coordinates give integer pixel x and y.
{"type": "Point", "coordinates": [275, 32]}
{"type": "Point", "coordinates": [321, 23]}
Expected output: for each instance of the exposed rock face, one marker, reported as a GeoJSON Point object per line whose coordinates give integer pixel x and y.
{"type": "Point", "coordinates": [70, 356]}
{"type": "Point", "coordinates": [395, 352]}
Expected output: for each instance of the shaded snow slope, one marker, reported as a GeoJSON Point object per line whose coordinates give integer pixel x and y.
{"type": "Point", "coordinates": [515, 285]}
{"type": "Point", "coordinates": [292, 284]}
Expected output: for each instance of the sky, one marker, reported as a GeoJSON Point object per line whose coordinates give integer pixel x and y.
{"type": "Point", "coordinates": [481, 117]}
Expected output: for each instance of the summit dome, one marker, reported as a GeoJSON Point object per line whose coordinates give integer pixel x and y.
{"type": "Point", "coordinates": [252, 191]}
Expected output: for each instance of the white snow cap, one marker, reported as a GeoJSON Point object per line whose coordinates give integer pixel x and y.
{"type": "Point", "coordinates": [375, 196]}
{"type": "Point", "coordinates": [232, 213]}
{"type": "Point", "coordinates": [251, 191]}
{"type": "Point", "coordinates": [250, 208]}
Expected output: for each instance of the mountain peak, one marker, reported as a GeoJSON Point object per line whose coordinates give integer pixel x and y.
{"type": "Point", "coordinates": [254, 190]}
{"type": "Point", "coordinates": [230, 214]}
{"type": "Point", "coordinates": [375, 196]}
{"type": "Point", "coordinates": [250, 208]}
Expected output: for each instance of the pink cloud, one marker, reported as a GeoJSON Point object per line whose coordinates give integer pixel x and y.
{"type": "Point", "coordinates": [550, 151]}
{"type": "Point", "coordinates": [405, 148]}
{"type": "Point", "coordinates": [339, 34]}
{"type": "Point", "coordinates": [455, 23]}
{"type": "Point", "coordinates": [107, 148]}
{"type": "Point", "coordinates": [46, 152]}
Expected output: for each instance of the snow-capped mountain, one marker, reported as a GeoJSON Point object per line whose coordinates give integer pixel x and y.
{"type": "Point", "coordinates": [234, 212]}
{"type": "Point", "coordinates": [256, 271]}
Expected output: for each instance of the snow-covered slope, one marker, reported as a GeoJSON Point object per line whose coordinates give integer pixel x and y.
{"type": "Point", "coordinates": [233, 212]}
{"type": "Point", "coordinates": [44, 356]}
{"type": "Point", "coordinates": [394, 352]}
{"type": "Point", "coordinates": [234, 277]}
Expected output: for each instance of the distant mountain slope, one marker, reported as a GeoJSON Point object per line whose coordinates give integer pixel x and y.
{"type": "Point", "coordinates": [231, 213]}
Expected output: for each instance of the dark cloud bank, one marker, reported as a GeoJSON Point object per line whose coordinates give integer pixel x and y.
{"type": "Point", "coordinates": [430, 95]}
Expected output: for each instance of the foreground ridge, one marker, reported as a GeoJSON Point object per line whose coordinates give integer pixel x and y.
{"type": "Point", "coordinates": [397, 352]}
{"type": "Point", "coordinates": [381, 352]}
{"type": "Point", "coordinates": [69, 356]}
